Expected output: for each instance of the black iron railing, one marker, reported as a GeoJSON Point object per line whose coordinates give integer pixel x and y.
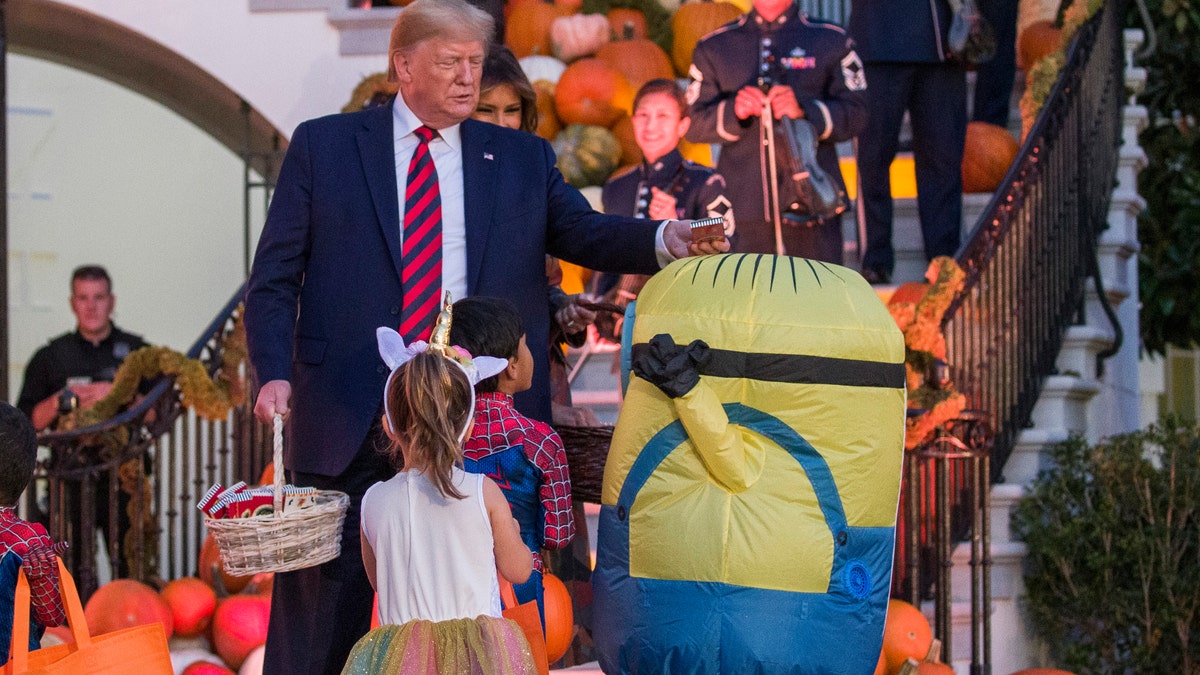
{"type": "Point", "coordinates": [1027, 263]}
{"type": "Point", "coordinates": [1029, 258]}
{"type": "Point", "coordinates": [163, 457]}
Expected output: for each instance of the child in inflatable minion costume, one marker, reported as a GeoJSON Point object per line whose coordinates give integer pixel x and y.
{"type": "Point", "coordinates": [749, 502]}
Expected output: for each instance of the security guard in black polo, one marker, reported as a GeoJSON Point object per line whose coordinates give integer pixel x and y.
{"type": "Point", "coordinates": [805, 69]}
{"type": "Point", "coordinates": [664, 185]}
{"type": "Point", "coordinates": [83, 361]}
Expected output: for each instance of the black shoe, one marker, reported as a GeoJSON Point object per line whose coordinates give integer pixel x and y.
{"type": "Point", "coordinates": [875, 276]}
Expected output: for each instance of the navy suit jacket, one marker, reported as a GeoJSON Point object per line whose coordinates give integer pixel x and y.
{"type": "Point", "coordinates": [327, 270]}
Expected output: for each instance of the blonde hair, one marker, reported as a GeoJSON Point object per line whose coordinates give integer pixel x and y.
{"type": "Point", "coordinates": [429, 400]}
{"type": "Point", "coordinates": [452, 20]}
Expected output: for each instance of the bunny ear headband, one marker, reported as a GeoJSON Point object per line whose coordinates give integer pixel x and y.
{"type": "Point", "coordinates": [395, 354]}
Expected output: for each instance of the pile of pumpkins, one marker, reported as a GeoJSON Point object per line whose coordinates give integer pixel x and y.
{"type": "Point", "coordinates": [587, 58]}
{"type": "Point", "coordinates": [586, 68]}
{"type": "Point", "coordinates": [216, 624]}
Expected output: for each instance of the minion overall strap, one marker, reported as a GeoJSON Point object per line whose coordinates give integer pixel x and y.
{"type": "Point", "coordinates": [798, 368]}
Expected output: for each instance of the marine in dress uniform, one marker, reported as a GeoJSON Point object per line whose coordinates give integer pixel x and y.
{"type": "Point", "coordinates": [817, 60]}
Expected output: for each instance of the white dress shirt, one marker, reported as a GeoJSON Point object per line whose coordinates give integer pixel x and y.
{"type": "Point", "coordinates": [446, 151]}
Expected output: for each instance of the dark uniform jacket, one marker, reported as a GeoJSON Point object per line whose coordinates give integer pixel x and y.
{"type": "Point", "coordinates": [817, 60]}
{"type": "Point", "coordinates": [70, 355]}
{"type": "Point", "coordinates": [699, 192]}
{"type": "Point", "coordinates": [887, 31]}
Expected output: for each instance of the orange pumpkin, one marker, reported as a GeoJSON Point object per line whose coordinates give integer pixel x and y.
{"type": "Point", "coordinates": [560, 617]}
{"type": "Point", "coordinates": [638, 59]}
{"type": "Point", "coordinates": [124, 603]}
{"type": "Point", "coordinates": [988, 151]}
{"type": "Point", "coordinates": [548, 124]}
{"type": "Point", "coordinates": [630, 152]}
{"type": "Point", "coordinates": [267, 477]}
{"type": "Point", "coordinates": [1036, 41]}
{"type": "Point", "coordinates": [693, 21]}
{"type": "Point", "coordinates": [211, 568]}
{"type": "Point", "coordinates": [627, 22]}
{"type": "Point", "coordinates": [240, 625]}
{"type": "Point", "coordinates": [906, 634]}
{"type": "Point", "coordinates": [527, 30]}
{"type": "Point", "coordinates": [592, 92]}
{"type": "Point", "coordinates": [881, 666]}
{"type": "Point", "coordinates": [510, 5]}
{"type": "Point", "coordinates": [192, 604]}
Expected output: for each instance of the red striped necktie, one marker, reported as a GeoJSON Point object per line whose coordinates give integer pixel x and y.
{"type": "Point", "coordinates": [421, 253]}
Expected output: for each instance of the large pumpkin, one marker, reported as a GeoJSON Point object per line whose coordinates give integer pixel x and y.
{"type": "Point", "coordinates": [211, 568]}
{"type": "Point", "coordinates": [906, 634]}
{"type": "Point", "coordinates": [587, 155]}
{"type": "Point", "coordinates": [124, 603]}
{"type": "Point", "coordinates": [527, 30]}
{"type": "Point", "coordinates": [1036, 41]}
{"type": "Point", "coordinates": [240, 625]}
{"type": "Point", "coordinates": [560, 617]}
{"type": "Point", "coordinates": [988, 151]}
{"type": "Point", "coordinates": [638, 59]}
{"type": "Point", "coordinates": [192, 604]}
{"type": "Point", "coordinates": [693, 21]}
{"type": "Point", "coordinates": [592, 92]}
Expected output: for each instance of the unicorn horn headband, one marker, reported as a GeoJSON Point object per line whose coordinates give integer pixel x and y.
{"type": "Point", "coordinates": [395, 354]}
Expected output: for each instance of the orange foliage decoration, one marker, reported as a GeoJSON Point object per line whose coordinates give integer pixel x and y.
{"type": "Point", "coordinates": [924, 344]}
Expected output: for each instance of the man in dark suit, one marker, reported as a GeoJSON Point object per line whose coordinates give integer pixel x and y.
{"type": "Point", "coordinates": [903, 47]}
{"type": "Point", "coordinates": [332, 266]}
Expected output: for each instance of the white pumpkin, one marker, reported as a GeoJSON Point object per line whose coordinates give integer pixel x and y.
{"type": "Point", "coordinates": [595, 196]}
{"type": "Point", "coordinates": [579, 35]}
{"type": "Point", "coordinates": [253, 665]}
{"type": "Point", "coordinates": [545, 68]}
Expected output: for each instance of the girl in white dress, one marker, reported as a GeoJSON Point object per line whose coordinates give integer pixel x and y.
{"type": "Point", "coordinates": [434, 536]}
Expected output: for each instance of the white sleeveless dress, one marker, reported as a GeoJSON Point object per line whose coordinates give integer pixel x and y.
{"type": "Point", "coordinates": [434, 556]}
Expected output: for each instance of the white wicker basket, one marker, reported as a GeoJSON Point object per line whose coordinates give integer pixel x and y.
{"type": "Point", "coordinates": [282, 542]}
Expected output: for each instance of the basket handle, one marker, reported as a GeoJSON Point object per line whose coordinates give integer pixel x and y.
{"type": "Point", "coordinates": [278, 459]}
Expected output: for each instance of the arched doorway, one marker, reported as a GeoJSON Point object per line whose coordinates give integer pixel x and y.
{"type": "Point", "coordinates": [76, 38]}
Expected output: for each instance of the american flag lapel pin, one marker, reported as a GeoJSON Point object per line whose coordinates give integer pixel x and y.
{"type": "Point", "coordinates": [488, 155]}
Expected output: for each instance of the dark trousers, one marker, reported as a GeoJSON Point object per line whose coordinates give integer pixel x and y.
{"type": "Point", "coordinates": [817, 242]}
{"type": "Point", "coordinates": [994, 79]}
{"type": "Point", "coordinates": [318, 613]}
{"type": "Point", "coordinates": [935, 96]}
